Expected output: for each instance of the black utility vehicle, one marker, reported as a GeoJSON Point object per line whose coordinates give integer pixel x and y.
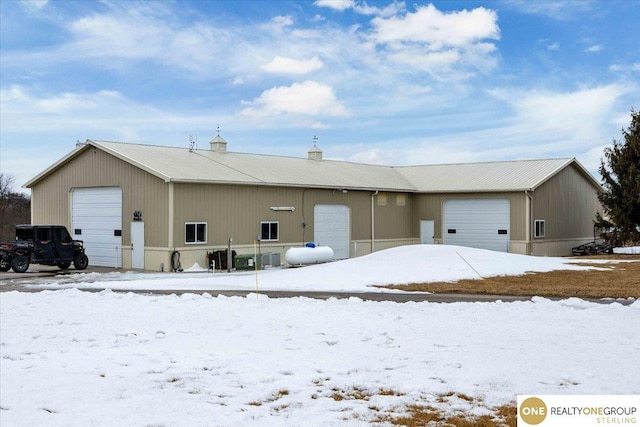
{"type": "Point", "coordinates": [42, 244]}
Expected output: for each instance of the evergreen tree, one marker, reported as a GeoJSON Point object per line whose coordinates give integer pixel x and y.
{"type": "Point", "coordinates": [621, 181]}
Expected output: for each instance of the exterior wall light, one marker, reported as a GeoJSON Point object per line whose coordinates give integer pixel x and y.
{"type": "Point", "coordinates": [283, 208]}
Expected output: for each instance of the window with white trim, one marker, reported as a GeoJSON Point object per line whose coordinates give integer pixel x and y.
{"type": "Point", "coordinates": [195, 233]}
{"type": "Point", "coordinates": [539, 228]}
{"type": "Point", "coordinates": [269, 231]}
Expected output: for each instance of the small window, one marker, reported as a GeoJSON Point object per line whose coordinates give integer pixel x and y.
{"type": "Point", "coordinates": [502, 231]}
{"type": "Point", "coordinates": [44, 234]}
{"type": "Point", "coordinates": [195, 232]}
{"type": "Point", "coordinates": [269, 230]}
{"type": "Point", "coordinates": [382, 199]}
{"type": "Point", "coordinates": [401, 199]}
{"type": "Point", "coordinates": [451, 231]}
{"type": "Point", "coordinates": [539, 228]}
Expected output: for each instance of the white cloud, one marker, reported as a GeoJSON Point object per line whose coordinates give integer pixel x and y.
{"type": "Point", "coordinates": [594, 48]}
{"type": "Point", "coordinates": [553, 122]}
{"type": "Point", "coordinates": [446, 45]}
{"type": "Point", "coordinates": [284, 65]}
{"type": "Point", "coordinates": [278, 23]}
{"type": "Point", "coordinates": [625, 67]}
{"type": "Point", "coordinates": [362, 7]}
{"type": "Point", "coordinates": [393, 9]}
{"type": "Point", "coordinates": [306, 98]}
{"type": "Point", "coordinates": [339, 5]}
{"type": "Point", "coordinates": [437, 29]}
{"type": "Point", "coordinates": [558, 10]}
{"type": "Point", "coordinates": [555, 46]}
{"type": "Point", "coordinates": [33, 5]}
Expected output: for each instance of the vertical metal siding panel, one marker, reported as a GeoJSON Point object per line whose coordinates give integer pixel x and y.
{"type": "Point", "coordinates": [95, 168]}
{"type": "Point", "coordinates": [237, 210]}
{"type": "Point", "coordinates": [393, 221]}
{"type": "Point", "coordinates": [568, 203]}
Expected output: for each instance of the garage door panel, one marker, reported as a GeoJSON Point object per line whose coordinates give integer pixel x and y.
{"type": "Point", "coordinates": [331, 228]}
{"type": "Point", "coordinates": [478, 223]}
{"type": "Point", "coordinates": [96, 214]}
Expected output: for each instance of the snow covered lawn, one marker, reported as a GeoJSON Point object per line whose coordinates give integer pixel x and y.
{"type": "Point", "coordinates": [75, 358]}
{"type": "Point", "coordinates": [400, 265]}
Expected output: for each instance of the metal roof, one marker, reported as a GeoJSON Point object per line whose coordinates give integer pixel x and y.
{"type": "Point", "coordinates": [207, 166]}
{"type": "Point", "coordinates": [173, 164]}
{"type": "Point", "coordinates": [518, 175]}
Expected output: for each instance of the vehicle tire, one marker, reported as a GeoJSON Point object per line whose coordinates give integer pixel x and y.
{"type": "Point", "coordinates": [63, 265]}
{"type": "Point", "coordinates": [20, 263]}
{"type": "Point", "coordinates": [80, 261]}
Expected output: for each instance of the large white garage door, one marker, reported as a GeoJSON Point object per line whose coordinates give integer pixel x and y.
{"type": "Point", "coordinates": [97, 220]}
{"type": "Point", "coordinates": [331, 228]}
{"type": "Point", "coordinates": [478, 223]}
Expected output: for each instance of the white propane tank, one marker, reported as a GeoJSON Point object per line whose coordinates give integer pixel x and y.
{"type": "Point", "coordinates": [308, 255]}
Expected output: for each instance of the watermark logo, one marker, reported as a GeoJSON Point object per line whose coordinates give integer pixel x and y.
{"type": "Point", "coordinates": [533, 411]}
{"type": "Point", "coordinates": [579, 410]}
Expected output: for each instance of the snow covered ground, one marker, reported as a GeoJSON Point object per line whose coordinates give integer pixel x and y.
{"type": "Point", "coordinates": [400, 265]}
{"type": "Point", "coordinates": [74, 358]}
{"type": "Point", "coordinates": [627, 250]}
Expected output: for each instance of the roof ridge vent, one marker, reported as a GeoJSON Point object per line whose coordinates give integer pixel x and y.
{"type": "Point", "coordinates": [314, 152]}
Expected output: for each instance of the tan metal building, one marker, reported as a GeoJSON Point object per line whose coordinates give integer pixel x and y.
{"type": "Point", "coordinates": [134, 205]}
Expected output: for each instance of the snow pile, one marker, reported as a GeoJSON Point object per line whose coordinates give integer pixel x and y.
{"type": "Point", "coordinates": [74, 358]}
{"type": "Point", "coordinates": [400, 265]}
{"type": "Point", "coordinates": [629, 250]}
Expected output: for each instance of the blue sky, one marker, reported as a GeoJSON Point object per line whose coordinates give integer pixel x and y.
{"type": "Point", "coordinates": [397, 83]}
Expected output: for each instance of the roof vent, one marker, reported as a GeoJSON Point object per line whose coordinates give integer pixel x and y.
{"type": "Point", "coordinates": [218, 143]}
{"type": "Point", "coordinates": [314, 152]}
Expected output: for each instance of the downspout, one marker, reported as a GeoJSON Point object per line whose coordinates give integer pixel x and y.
{"type": "Point", "coordinates": [170, 230]}
{"type": "Point", "coordinates": [373, 222]}
{"type": "Point", "coordinates": [529, 210]}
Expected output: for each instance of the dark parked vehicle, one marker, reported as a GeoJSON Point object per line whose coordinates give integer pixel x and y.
{"type": "Point", "coordinates": [42, 244]}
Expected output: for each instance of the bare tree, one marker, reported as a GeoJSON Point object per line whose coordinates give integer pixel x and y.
{"type": "Point", "coordinates": [15, 208]}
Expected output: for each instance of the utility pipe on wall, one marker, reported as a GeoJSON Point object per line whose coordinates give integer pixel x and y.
{"type": "Point", "coordinates": [373, 221]}
{"type": "Point", "coordinates": [529, 231]}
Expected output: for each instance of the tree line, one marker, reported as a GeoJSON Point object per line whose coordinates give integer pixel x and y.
{"type": "Point", "coordinates": [15, 208]}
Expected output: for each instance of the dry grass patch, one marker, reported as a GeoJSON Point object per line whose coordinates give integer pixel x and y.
{"type": "Point", "coordinates": [424, 415]}
{"type": "Point", "coordinates": [618, 280]}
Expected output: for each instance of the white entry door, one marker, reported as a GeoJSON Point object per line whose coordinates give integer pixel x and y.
{"type": "Point", "coordinates": [137, 244]}
{"type": "Point", "coordinates": [426, 231]}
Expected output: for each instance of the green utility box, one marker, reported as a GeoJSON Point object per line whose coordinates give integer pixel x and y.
{"type": "Point", "coordinates": [246, 262]}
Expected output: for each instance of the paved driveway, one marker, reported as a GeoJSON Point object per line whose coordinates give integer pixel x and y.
{"type": "Point", "coordinates": [11, 281]}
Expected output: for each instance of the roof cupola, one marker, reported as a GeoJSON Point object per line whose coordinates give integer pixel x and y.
{"type": "Point", "coordinates": [314, 152]}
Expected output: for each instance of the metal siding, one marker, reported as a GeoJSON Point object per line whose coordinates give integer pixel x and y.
{"type": "Point", "coordinates": [236, 211]}
{"type": "Point", "coordinates": [94, 168]}
{"type": "Point", "coordinates": [393, 221]}
{"type": "Point", "coordinates": [568, 203]}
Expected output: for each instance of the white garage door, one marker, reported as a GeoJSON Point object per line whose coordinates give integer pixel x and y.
{"type": "Point", "coordinates": [331, 228]}
{"type": "Point", "coordinates": [478, 223]}
{"type": "Point", "coordinates": [97, 220]}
